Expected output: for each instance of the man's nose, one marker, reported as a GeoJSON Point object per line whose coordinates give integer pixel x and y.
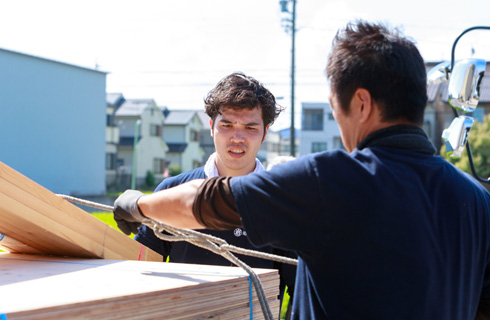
{"type": "Point", "coordinates": [237, 136]}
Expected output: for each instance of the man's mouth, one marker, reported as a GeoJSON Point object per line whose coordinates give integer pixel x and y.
{"type": "Point", "coordinates": [236, 151]}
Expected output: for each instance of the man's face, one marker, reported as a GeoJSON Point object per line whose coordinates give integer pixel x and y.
{"type": "Point", "coordinates": [344, 122]}
{"type": "Point", "coordinates": [237, 136]}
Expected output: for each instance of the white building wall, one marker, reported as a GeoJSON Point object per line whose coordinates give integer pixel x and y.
{"type": "Point", "coordinates": [193, 154]}
{"type": "Point", "coordinates": [149, 147]}
{"type": "Point", "coordinates": [174, 134]}
{"type": "Point", "coordinates": [329, 135]}
{"type": "Point", "coordinates": [52, 123]}
{"type": "Point", "coordinates": [126, 125]}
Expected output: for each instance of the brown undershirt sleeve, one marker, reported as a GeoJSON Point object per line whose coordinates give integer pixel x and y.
{"type": "Point", "coordinates": [483, 312]}
{"type": "Point", "coordinates": [214, 205]}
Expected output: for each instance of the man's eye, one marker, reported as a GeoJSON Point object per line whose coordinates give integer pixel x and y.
{"type": "Point", "coordinates": [251, 128]}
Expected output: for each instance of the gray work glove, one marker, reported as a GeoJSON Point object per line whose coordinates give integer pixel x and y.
{"type": "Point", "coordinates": [127, 213]}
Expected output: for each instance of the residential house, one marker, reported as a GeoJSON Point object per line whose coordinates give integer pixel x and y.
{"type": "Point", "coordinates": [141, 147]}
{"type": "Point", "coordinates": [319, 130]}
{"type": "Point", "coordinates": [114, 101]}
{"type": "Point", "coordinates": [206, 140]}
{"type": "Point", "coordinates": [53, 123]}
{"type": "Point", "coordinates": [181, 132]}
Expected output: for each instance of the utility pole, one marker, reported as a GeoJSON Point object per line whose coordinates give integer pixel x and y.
{"type": "Point", "coordinates": [290, 26]}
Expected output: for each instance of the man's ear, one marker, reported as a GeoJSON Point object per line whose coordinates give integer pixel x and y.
{"type": "Point", "coordinates": [211, 126]}
{"type": "Point", "coordinates": [364, 102]}
{"type": "Point", "coordinates": [265, 132]}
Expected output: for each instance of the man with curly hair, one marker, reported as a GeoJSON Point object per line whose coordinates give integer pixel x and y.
{"type": "Point", "coordinates": [241, 111]}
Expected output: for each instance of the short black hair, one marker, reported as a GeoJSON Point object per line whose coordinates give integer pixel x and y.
{"type": "Point", "coordinates": [382, 61]}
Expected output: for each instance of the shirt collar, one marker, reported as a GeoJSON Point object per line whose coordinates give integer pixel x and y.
{"type": "Point", "coordinates": [211, 171]}
{"type": "Point", "coordinates": [406, 137]}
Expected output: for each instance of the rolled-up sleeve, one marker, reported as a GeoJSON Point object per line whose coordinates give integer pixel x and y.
{"type": "Point", "coordinates": [214, 205]}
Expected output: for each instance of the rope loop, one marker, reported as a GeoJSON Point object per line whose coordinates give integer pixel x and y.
{"type": "Point", "coordinates": [205, 241]}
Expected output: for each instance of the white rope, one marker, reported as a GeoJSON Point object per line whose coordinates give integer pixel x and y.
{"type": "Point", "coordinates": [206, 241]}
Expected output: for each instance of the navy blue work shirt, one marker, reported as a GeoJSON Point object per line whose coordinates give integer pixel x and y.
{"type": "Point", "coordinates": [386, 232]}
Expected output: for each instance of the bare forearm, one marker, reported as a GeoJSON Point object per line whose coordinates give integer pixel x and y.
{"type": "Point", "coordinates": [173, 206]}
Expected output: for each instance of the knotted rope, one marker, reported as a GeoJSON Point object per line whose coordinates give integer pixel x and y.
{"type": "Point", "coordinates": [206, 241]}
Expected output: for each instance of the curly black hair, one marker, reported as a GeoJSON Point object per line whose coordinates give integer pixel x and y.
{"type": "Point", "coordinates": [238, 91]}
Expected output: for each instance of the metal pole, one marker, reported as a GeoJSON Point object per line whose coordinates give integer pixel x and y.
{"type": "Point", "coordinates": [293, 44]}
{"type": "Point", "coordinates": [135, 142]}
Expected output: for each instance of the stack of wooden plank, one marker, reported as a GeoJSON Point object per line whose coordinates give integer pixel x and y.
{"type": "Point", "coordinates": [42, 287]}
{"type": "Point", "coordinates": [34, 220]}
{"type": "Point", "coordinates": [74, 266]}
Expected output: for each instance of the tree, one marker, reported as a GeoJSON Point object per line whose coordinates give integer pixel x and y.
{"type": "Point", "coordinates": [479, 140]}
{"type": "Point", "coordinates": [150, 179]}
{"type": "Point", "coordinates": [174, 169]}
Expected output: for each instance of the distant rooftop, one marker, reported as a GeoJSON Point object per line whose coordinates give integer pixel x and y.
{"type": "Point", "coordinates": [114, 99]}
{"type": "Point", "coordinates": [134, 107]}
{"type": "Point", "coordinates": [204, 118]}
{"type": "Point", "coordinates": [179, 117]}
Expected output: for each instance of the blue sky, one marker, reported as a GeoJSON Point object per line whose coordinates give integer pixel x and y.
{"type": "Point", "coordinates": [176, 51]}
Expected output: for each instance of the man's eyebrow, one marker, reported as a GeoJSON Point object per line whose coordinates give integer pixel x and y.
{"type": "Point", "coordinates": [250, 124]}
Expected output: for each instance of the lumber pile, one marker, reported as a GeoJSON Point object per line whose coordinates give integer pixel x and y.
{"type": "Point", "coordinates": [42, 287]}
{"type": "Point", "coordinates": [34, 220]}
{"type": "Point", "coordinates": [63, 263]}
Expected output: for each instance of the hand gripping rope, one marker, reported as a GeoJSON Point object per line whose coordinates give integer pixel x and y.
{"type": "Point", "coordinates": [214, 244]}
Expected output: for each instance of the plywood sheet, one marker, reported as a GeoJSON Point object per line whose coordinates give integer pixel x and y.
{"type": "Point", "coordinates": [38, 287]}
{"type": "Point", "coordinates": [35, 220]}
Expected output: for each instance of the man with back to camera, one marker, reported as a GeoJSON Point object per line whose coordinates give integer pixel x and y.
{"type": "Point", "coordinates": [386, 230]}
{"type": "Point", "coordinates": [241, 111]}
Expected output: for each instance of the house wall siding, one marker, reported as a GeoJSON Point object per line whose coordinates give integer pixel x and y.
{"type": "Point", "coordinates": [149, 147]}
{"type": "Point", "coordinates": [327, 135]}
{"type": "Point", "coordinates": [53, 123]}
{"type": "Point", "coordinates": [193, 154]}
{"type": "Point", "coordinates": [174, 133]}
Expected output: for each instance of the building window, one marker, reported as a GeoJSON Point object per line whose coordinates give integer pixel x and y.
{"type": "Point", "coordinates": [330, 116]}
{"type": "Point", "coordinates": [110, 161]}
{"type": "Point", "coordinates": [285, 148]}
{"type": "Point", "coordinates": [273, 147]}
{"type": "Point", "coordinates": [155, 130]}
{"type": "Point", "coordinates": [318, 146]}
{"type": "Point", "coordinates": [195, 135]}
{"type": "Point", "coordinates": [313, 119]}
{"type": "Point", "coordinates": [158, 166]}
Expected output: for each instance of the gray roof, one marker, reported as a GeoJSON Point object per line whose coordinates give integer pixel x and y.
{"type": "Point", "coordinates": [204, 119]}
{"type": "Point", "coordinates": [179, 117]}
{"type": "Point", "coordinates": [112, 98]}
{"type": "Point", "coordinates": [134, 107]}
